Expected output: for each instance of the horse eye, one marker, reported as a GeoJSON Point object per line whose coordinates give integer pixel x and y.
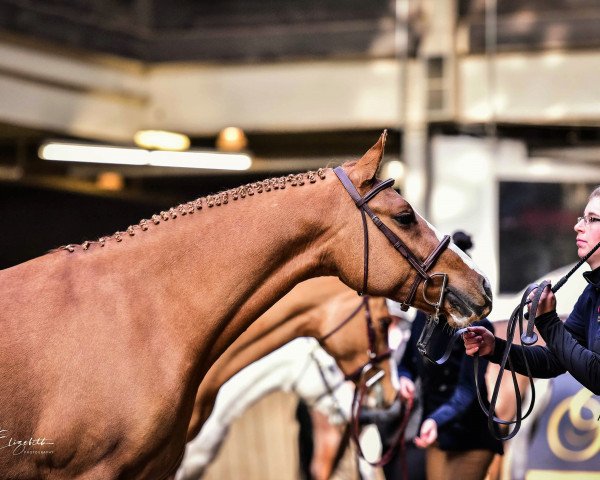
{"type": "Point", "coordinates": [406, 218]}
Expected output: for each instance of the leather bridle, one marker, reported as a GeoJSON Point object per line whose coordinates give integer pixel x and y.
{"type": "Point", "coordinates": [363, 384]}
{"type": "Point", "coordinates": [421, 268]}
{"type": "Point", "coordinates": [422, 275]}
{"type": "Point", "coordinates": [373, 357]}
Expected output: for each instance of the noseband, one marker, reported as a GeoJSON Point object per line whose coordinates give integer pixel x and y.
{"type": "Point", "coordinates": [421, 268]}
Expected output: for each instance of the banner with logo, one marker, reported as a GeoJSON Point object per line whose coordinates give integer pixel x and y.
{"type": "Point", "coordinates": [565, 442]}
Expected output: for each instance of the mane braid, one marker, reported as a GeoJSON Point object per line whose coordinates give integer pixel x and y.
{"type": "Point", "coordinates": [221, 198]}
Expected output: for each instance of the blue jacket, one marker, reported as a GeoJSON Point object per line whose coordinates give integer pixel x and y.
{"type": "Point", "coordinates": [448, 391]}
{"type": "Point", "coordinates": [573, 346]}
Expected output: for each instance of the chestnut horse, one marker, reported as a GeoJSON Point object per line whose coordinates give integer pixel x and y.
{"type": "Point", "coordinates": [105, 343]}
{"type": "Point", "coordinates": [314, 308]}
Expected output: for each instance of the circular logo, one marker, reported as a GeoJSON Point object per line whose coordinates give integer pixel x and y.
{"type": "Point", "coordinates": [573, 429]}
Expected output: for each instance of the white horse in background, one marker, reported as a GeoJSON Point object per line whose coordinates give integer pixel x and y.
{"type": "Point", "coordinates": [301, 367]}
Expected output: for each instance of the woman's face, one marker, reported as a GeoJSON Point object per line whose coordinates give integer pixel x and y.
{"type": "Point", "coordinates": [588, 232]}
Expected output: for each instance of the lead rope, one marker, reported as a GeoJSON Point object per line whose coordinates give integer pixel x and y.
{"type": "Point", "coordinates": [527, 339]}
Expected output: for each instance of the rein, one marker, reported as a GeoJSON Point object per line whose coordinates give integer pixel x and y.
{"type": "Point", "coordinates": [397, 444]}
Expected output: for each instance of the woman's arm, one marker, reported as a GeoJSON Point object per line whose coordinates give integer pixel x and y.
{"type": "Point", "coordinates": [542, 362]}
{"type": "Point", "coordinates": [580, 362]}
{"type": "Point", "coordinates": [568, 341]}
{"type": "Point", "coordinates": [461, 400]}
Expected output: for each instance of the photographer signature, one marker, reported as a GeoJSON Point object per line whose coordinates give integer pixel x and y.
{"type": "Point", "coordinates": [19, 446]}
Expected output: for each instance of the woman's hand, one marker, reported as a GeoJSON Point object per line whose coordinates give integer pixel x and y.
{"type": "Point", "coordinates": [478, 340]}
{"type": "Point", "coordinates": [428, 434]}
{"type": "Point", "coordinates": [547, 301]}
{"type": "Point", "coordinates": [407, 388]}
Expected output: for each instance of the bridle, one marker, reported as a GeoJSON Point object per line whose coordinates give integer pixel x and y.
{"type": "Point", "coordinates": [373, 357]}
{"type": "Point", "coordinates": [363, 384]}
{"type": "Point", "coordinates": [422, 275]}
{"type": "Point", "coordinates": [421, 268]}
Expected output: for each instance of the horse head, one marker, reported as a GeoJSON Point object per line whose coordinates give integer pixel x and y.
{"type": "Point", "coordinates": [407, 260]}
{"type": "Point", "coordinates": [355, 332]}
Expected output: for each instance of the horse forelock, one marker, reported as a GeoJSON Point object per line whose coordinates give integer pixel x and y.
{"type": "Point", "coordinates": [210, 201]}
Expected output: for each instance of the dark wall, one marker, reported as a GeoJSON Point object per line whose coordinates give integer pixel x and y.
{"type": "Point", "coordinates": [36, 219]}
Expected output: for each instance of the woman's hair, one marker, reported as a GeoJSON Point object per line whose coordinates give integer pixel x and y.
{"type": "Point", "coordinates": [595, 193]}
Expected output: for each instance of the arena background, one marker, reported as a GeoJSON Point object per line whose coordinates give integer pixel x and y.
{"type": "Point", "coordinates": [493, 109]}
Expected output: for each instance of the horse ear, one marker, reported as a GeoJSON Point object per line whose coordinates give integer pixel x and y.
{"type": "Point", "coordinates": [365, 169]}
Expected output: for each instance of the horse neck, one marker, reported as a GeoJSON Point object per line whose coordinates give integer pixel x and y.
{"type": "Point", "coordinates": [292, 317]}
{"type": "Point", "coordinates": [229, 264]}
{"type": "Point", "coordinates": [298, 314]}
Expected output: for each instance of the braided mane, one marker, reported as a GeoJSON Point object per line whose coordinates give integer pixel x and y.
{"type": "Point", "coordinates": [216, 200]}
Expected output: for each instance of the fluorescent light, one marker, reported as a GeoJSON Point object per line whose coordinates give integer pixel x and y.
{"type": "Point", "coordinates": [225, 161]}
{"type": "Point", "coordinates": [161, 140]}
{"type": "Point", "coordinates": [72, 152]}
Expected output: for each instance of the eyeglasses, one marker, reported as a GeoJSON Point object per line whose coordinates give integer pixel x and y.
{"type": "Point", "coordinates": [587, 220]}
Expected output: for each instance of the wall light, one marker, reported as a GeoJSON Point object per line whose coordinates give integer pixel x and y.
{"type": "Point", "coordinates": [231, 139]}
{"type": "Point", "coordinates": [161, 140]}
{"type": "Point", "coordinates": [73, 152]}
{"type": "Point", "coordinates": [111, 181]}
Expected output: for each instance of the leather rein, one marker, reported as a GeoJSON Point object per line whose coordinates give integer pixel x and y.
{"type": "Point", "coordinates": [528, 338]}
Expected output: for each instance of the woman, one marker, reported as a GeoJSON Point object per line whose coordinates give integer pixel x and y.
{"type": "Point", "coordinates": [454, 430]}
{"type": "Point", "coordinates": [573, 346]}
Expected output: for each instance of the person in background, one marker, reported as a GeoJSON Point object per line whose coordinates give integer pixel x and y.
{"type": "Point", "coordinates": [573, 346]}
{"type": "Point", "coordinates": [453, 428]}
